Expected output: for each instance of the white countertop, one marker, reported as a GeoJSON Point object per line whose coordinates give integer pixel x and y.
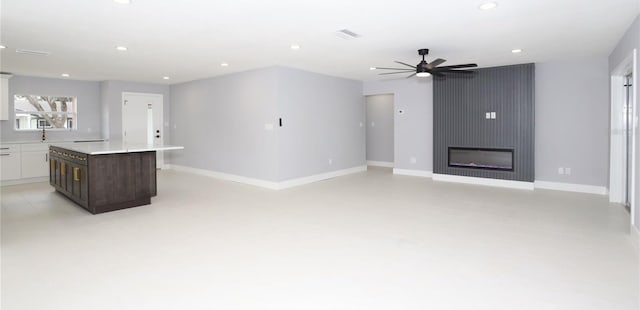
{"type": "Point", "coordinates": [112, 147]}
{"type": "Point", "coordinates": [50, 141]}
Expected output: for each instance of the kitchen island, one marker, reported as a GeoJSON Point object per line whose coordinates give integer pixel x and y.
{"type": "Point", "coordinates": [105, 176]}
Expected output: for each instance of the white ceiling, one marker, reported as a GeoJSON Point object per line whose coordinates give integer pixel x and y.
{"type": "Point", "coordinates": [188, 39]}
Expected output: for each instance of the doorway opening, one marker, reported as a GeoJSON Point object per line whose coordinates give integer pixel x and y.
{"type": "Point", "coordinates": [628, 133]}
{"type": "Point", "coordinates": [623, 146]}
{"type": "Point", "coordinates": [142, 119]}
{"type": "Point", "coordinates": [380, 130]}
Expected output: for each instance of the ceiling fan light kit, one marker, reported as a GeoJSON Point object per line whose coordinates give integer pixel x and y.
{"type": "Point", "coordinates": [426, 69]}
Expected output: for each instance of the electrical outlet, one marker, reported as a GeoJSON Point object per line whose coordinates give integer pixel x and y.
{"type": "Point", "coordinates": [493, 115]}
{"type": "Point", "coordinates": [360, 124]}
{"type": "Point", "coordinates": [412, 160]}
{"type": "Point", "coordinates": [567, 171]}
{"type": "Point", "coordinates": [373, 124]}
{"type": "Point", "coordinates": [268, 127]}
{"type": "Point", "coordinates": [330, 161]}
{"type": "Point", "coordinates": [487, 115]}
{"type": "Point", "coordinates": [560, 170]}
{"type": "Point", "coordinates": [89, 129]}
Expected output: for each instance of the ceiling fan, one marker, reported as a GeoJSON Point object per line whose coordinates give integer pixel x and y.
{"type": "Point", "coordinates": [424, 69]}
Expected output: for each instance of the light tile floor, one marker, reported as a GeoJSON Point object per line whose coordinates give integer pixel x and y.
{"type": "Point", "coordinates": [369, 241]}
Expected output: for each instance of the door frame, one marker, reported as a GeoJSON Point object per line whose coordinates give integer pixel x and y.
{"type": "Point", "coordinates": [367, 123]}
{"type": "Point", "coordinates": [617, 158]}
{"type": "Point", "coordinates": [160, 97]}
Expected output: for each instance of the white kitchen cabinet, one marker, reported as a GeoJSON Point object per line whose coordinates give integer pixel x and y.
{"type": "Point", "coordinates": [35, 160]}
{"type": "Point", "coordinates": [4, 96]}
{"type": "Point", "coordinates": [10, 162]}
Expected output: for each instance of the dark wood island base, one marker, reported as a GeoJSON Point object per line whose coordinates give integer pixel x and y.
{"type": "Point", "coordinates": [104, 182]}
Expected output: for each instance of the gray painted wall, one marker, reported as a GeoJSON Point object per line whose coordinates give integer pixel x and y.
{"type": "Point", "coordinates": [111, 96]}
{"type": "Point", "coordinates": [460, 106]}
{"type": "Point", "coordinates": [380, 128]}
{"type": "Point", "coordinates": [221, 123]}
{"type": "Point", "coordinates": [572, 121]}
{"type": "Point", "coordinates": [321, 122]}
{"type": "Point", "coordinates": [413, 132]}
{"type": "Point", "coordinates": [626, 45]}
{"type": "Point", "coordinates": [89, 115]}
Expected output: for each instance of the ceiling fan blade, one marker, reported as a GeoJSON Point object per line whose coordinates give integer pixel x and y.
{"type": "Point", "coordinates": [458, 66]}
{"type": "Point", "coordinates": [435, 63]}
{"type": "Point", "coordinates": [406, 64]}
{"type": "Point", "coordinates": [436, 73]}
{"type": "Point", "coordinates": [394, 72]}
{"type": "Point", "coordinates": [411, 75]}
{"type": "Point", "coordinates": [403, 69]}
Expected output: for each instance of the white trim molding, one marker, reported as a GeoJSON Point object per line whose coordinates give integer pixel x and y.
{"type": "Point", "coordinates": [24, 181]}
{"type": "Point", "coordinates": [226, 176]}
{"type": "Point", "coordinates": [413, 173]}
{"type": "Point", "coordinates": [569, 187]}
{"type": "Point", "coordinates": [380, 163]}
{"type": "Point", "coordinates": [269, 184]}
{"type": "Point", "coordinates": [320, 177]}
{"type": "Point", "coordinates": [483, 181]}
{"type": "Point", "coordinates": [634, 234]}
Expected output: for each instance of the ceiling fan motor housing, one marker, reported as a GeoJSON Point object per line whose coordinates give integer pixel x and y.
{"type": "Point", "coordinates": [423, 51]}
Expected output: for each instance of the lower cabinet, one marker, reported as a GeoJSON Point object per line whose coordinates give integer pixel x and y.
{"type": "Point", "coordinates": [68, 174]}
{"type": "Point", "coordinates": [10, 162]}
{"type": "Point", "coordinates": [106, 182]}
{"type": "Point", "coordinates": [34, 164]}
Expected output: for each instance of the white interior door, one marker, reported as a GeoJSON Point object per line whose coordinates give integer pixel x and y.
{"type": "Point", "coordinates": [142, 121]}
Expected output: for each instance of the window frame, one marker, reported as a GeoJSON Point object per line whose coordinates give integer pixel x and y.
{"type": "Point", "coordinates": [72, 116]}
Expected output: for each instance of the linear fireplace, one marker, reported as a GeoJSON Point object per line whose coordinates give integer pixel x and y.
{"type": "Point", "coordinates": [481, 158]}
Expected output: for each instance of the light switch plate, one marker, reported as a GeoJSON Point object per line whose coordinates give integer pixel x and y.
{"type": "Point", "coordinates": [493, 115]}
{"type": "Point", "coordinates": [487, 115]}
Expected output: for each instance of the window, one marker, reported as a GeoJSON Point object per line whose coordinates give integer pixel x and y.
{"type": "Point", "coordinates": [35, 112]}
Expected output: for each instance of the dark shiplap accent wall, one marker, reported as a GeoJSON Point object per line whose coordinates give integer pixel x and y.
{"type": "Point", "coordinates": [459, 107]}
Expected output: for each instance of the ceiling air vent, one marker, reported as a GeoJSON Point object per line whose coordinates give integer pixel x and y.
{"type": "Point", "coordinates": [32, 52]}
{"type": "Point", "coordinates": [347, 34]}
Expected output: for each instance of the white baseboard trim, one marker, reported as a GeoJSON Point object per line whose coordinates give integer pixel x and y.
{"type": "Point", "coordinates": [634, 234]}
{"type": "Point", "coordinates": [380, 163]}
{"type": "Point", "coordinates": [483, 181]}
{"type": "Point", "coordinates": [24, 181]}
{"type": "Point", "coordinates": [269, 184]}
{"type": "Point", "coordinates": [227, 176]}
{"type": "Point", "coordinates": [320, 177]}
{"type": "Point", "coordinates": [569, 187]}
{"type": "Point", "coordinates": [413, 173]}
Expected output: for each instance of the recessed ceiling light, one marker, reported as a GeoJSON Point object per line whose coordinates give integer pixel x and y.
{"type": "Point", "coordinates": [295, 46]}
{"type": "Point", "coordinates": [122, 1]}
{"type": "Point", "coordinates": [516, 51]}
{"type": "Point", "coordinates": [224, 64]}
{"type": "Point", "coordinates": [65, 75]}
{"type": "Point", "coordinates": [488, 6]}
{"type": "Point", "coordinates": [121, 48]}
{"type": "Point", "coordinates": [165, 77]}
{"type": "Point", "coordinates": [372, 68]}
{"type": "Point", "coordinates": [2, 47]}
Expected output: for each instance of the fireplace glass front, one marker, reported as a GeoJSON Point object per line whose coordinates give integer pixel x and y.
{"type": "Point", "coordinates": [481, 158]}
